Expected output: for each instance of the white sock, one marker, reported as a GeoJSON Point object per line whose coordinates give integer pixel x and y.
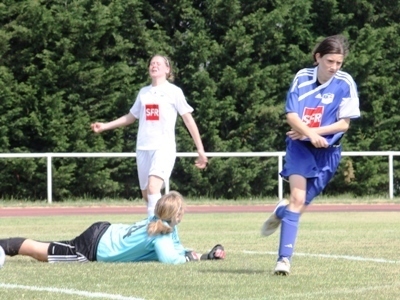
{"type": "Point", "coordinates": [151, 203]}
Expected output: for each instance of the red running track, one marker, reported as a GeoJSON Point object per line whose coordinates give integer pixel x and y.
{"type": "Point", "coordinates": [53, 211]}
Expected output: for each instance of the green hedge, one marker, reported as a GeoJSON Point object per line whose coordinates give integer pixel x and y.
{"type": "Point", "coordinates": [65, 64]}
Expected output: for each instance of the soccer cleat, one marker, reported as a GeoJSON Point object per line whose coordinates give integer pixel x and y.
{"type": "Point", "coordinates": [282, 267]}
{"type": "Point", "coordinates": [273, 222]}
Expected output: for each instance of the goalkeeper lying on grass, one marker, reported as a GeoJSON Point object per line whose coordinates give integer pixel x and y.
{"type": "Point", "coordinates": [152, 239]}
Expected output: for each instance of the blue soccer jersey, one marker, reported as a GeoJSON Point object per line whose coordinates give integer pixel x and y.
{"type": "Point", "coordinates": [320, 105]}
{"type": "Point", "coordinates": [131, 243]}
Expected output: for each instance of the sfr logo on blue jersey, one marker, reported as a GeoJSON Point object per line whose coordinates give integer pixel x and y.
{"type": "Point", "coordinates": [312, 116]}
{"type": "Point", "coordinates": [327, 98]}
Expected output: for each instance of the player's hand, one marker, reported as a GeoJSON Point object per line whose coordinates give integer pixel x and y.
{"type": "Point", "coordinates": [202, 161]}
{"type": "Point", "coordinates": [294, 135]}
{"type": "Point", "coordinates": [319, 141]}
{"type": "Point", "coordinates": [97, 127]}
{"type": "Point", "coordinates": [217, 252]}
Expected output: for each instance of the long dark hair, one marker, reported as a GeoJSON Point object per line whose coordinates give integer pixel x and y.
{"type": "Point", "coordinates": [335, 44]}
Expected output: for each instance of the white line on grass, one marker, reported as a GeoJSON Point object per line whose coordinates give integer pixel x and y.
{"type": "Point", "coordinates": [67, 291]}
{"type": "Point", "coordinates": [346, 257]}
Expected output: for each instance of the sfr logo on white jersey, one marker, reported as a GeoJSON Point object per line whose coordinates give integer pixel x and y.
{"type": "Point", "coordinates": [312, 116]}
{"type": "Point", "coordinates": [152, 112]}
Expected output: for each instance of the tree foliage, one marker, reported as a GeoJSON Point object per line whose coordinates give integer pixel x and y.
{"type": "Point", "coordinates": [65, 64]}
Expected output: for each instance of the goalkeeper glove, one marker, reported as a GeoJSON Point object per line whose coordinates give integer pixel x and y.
{"type": "Point", "coordinates": [218, 252]}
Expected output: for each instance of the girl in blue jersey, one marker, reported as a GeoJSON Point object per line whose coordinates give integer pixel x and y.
{"type": "Point", "coordinates": [153, 239]}
{"type": "Point", "coordinates": [319, 106]}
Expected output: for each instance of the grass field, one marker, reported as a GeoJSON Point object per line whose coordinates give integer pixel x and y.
{"type": "Point", "coordinates": [349, 255]}
{"type": "Point", "coordinates": [76, 202]}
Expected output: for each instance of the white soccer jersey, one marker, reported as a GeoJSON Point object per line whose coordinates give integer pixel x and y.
{"type": "Point", "coordinates": [322, 105]}
{"type": "Point", "coordinates": [156, 108]}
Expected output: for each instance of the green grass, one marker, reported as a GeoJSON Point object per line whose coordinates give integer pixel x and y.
{"type": "Point", "coordinates": [339, 256]}
{"type": "Point", "coordinates": [79, 202]}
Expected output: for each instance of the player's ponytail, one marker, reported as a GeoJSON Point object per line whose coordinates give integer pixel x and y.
{"type": "Point", "coordinates": [158, 227]}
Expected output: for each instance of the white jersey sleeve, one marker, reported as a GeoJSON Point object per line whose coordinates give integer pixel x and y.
{"type": "Point", "coordinates": [350, 105]}
{"type": "Point", "coordinates": [137, 106]}
{"type": "Point", "coordinates": [181, 105]}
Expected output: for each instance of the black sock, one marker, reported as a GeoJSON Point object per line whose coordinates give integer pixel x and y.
{"type": "Point", "coordinates": [11, 246]}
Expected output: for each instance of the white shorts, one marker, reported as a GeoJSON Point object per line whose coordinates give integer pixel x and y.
{"type": "Point", "coordinates": [154, 162]}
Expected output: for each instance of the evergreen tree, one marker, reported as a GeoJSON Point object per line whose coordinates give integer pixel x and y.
{"type": "Point", "coordinates": [65, 64]}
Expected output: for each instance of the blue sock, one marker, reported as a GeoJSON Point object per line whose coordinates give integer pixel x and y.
{"type": "Point", "coordinates": [280, 212]}
{"type": "Point", "coordinates": [289, 227]}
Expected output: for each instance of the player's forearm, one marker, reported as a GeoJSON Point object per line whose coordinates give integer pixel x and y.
{"type": "Point", "coordinates": [339, 126]}
{"type": "Point", "coordinates": [194, 131]}
{"type": "Point", "coordinates": [298, 125]}
{"type": "Point", "coordinates": [120, 122]}
{"type": "Point", "coordinates": [166, 251]}
{"type": "Point", "coordinates": [197, 141]}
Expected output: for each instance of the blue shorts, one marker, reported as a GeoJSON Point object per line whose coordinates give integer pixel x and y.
{"type": "Point", "coordinates": [318, 165]}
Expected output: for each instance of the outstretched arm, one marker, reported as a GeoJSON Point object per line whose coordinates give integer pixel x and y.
{"type": "Point", "coordinates": [167, 252]}
{"type": "Point", "coordinates": [126, 120]}
{"type": "Point", "coordinates": [191, 125]}
{"type": "Point", "coordinates": [217, 252]}
{"type": "Point", "coordinates": [172, 253]}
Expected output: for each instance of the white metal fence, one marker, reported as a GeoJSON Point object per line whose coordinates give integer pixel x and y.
{"type": "Point", "coordinates": [280, 155]}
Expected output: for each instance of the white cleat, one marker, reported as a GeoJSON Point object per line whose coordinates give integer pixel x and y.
{"type": "Point", "coordinates": [282, 267]}
{"type": "Point", "coordinates": [273, 222]}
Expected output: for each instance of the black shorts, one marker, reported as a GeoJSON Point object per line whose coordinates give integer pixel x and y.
{"type": "Point", "coordinates": [82, 248]}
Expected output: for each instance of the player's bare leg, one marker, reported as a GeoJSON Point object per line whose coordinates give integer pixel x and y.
{"type": "Point", "coordinates": [34, 249]}
{"type": "Point", "coordinates": [144, 196]}
{"type": "Point", "coordinates": [153, 193]}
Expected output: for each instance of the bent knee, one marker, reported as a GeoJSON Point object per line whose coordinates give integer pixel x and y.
{"type": "Point", "coordinates": [297, 203]}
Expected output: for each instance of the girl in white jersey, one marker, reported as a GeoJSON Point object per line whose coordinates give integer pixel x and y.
{"type": "Point", "coordinates": [153, 239]}
{"type": "Point", "coordinates": [156, 107]}
{"type": "Point", "coordinates": [319, 105]}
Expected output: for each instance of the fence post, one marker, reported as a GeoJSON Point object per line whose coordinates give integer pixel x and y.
{"type": "Point", "coordinates": [280, 156]}
{"type": "Point", "coordinates": [391, 175]}
{"type": "Point", "coordinates": [49, 179]}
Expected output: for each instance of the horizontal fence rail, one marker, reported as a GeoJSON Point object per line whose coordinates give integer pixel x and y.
{"type": "Point", "coordinates": [280, 155]}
